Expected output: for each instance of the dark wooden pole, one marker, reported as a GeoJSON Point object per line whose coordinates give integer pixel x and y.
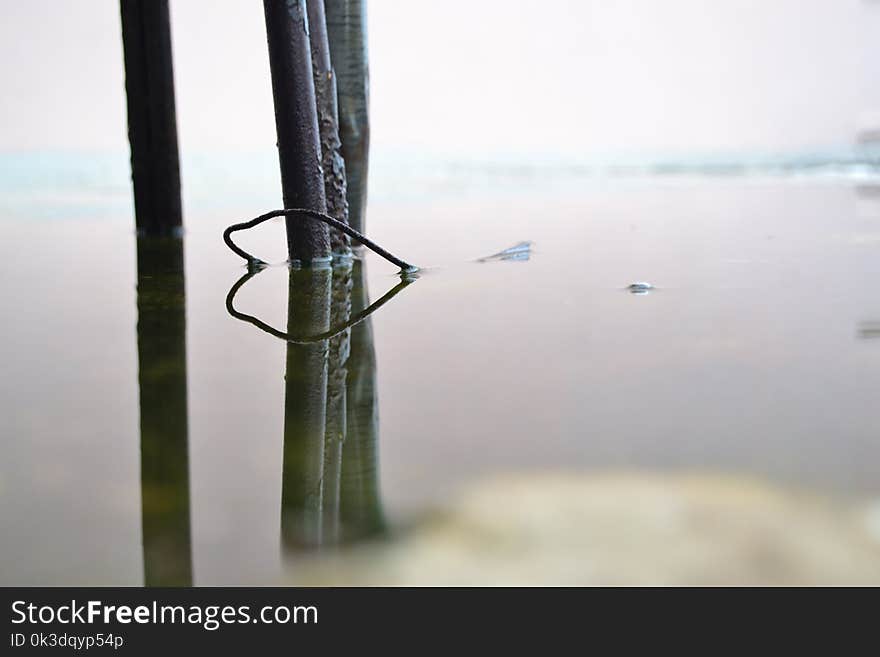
{"type": "Point", "coordinates": [328, 124]}
{"type": "Point", "coordinates": [347, 34]}
{"type": "Point", "coordinates": [152, 123]}
{"type": "Point", "coordinates": [296, 122]}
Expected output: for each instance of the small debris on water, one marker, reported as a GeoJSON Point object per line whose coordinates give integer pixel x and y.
{"type": "Point", "coordinates": [640, 287]}
{"type": "Point", "coordinates": [519, 251]}
{"type": "Point", "coordinates": [410, 273]}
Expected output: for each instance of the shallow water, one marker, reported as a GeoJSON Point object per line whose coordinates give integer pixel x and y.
{"type": "Point", "coordinates": [150, 437]}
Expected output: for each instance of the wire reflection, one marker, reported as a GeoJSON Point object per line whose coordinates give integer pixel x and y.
{"type": "Point", "coordinates": [330, 483]}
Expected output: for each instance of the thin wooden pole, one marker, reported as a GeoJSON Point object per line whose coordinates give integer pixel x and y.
{"type": "Point", "coordinates": [152, 122]}
{"type": "Point", "coordinates": [296, 123]}
{"type": "Point", "coordinates": [347, 35]}
{"type": "Point", "coordinates": [328, 123]}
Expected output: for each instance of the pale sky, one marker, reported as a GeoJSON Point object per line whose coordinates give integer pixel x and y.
{"type": "Point", "coordinates": [476, 77]}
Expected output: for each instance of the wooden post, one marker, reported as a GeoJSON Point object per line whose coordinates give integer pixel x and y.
{"type": "Point", "coordinates": [347, 34]}
{"type": "Point", "coordinates": [152, 123]}
{"type": "Point", "coordinates": [328, 125]}
{"type": "Point", "coordinates": [296, 122]}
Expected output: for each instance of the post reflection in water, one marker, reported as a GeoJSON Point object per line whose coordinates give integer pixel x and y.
{"type": "Point", "coordinates": [360, 511]}
{"type": "Point", "coordinates": [161, 332]}
{"type": "Point", "coordinates": [330, 489]}
{"type": "Point", "coordinates": [305, 408]}
{"type": "Point", "coordinates": [336, 428]}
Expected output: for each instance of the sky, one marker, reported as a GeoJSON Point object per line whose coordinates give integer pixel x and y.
{"type": "Point", "coordinates": [476, 78]}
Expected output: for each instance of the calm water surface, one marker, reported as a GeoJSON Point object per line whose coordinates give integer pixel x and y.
{"type": "Point", "coordinates": [150, 437]}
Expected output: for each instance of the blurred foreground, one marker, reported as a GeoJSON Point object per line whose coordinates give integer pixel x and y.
{"type": "Point", "coordinates": [620, 529]}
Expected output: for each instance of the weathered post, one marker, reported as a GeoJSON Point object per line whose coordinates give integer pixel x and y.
{"type": "Point", "coordinates": [328, 125]}
{"type": "Point", "coordinates": [296, 123]}
{"type": "Point", "coordinates": [347, 34]}
{"type": "Point", "coordinates": [161, 330]}
{"type": "Point", "coordinates": [152, 123]}
{"type": "Point", "coordinates": [161, 335]}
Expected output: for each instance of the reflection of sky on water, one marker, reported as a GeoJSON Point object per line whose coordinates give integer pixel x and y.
{"type": "Point", "coordinates": [744, 363]}
{"type": "Point", "coordinates": [70, 185]}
